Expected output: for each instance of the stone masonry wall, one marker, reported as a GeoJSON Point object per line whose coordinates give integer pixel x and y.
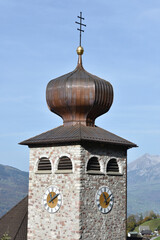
{"type": "Point", "coordinates": [64, 224]}
{"type": "Point", "coordinates": [94, 224]}
{"type": "Point", "coordinates": [78, 217]}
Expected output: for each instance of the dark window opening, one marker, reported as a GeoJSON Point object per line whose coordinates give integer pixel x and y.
{"type": "Point", "coordinates": [44, 164]}
{"type": "Point", "coordinates": [112, 166]}
{"type": "Point", "coordinates": [65, 163]}
{"type": "Point", "coordinates": [93, 164]}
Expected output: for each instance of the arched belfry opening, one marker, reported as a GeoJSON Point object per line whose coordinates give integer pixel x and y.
{"type": "Point", "coordinates": [93, 166]}
{"type": "Point", "coordinates": [112, 166]}
{"type": "Point", "coordinates": [64, 164]}
{"type": "Point", "coordinates": [44, 164]}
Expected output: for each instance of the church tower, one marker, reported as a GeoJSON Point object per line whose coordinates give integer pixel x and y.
{"type": "Point", "coordinates": [78, 171]}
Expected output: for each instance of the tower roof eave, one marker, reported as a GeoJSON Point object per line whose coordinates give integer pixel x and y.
{"type": "Point", "coordinates": [77, 133]}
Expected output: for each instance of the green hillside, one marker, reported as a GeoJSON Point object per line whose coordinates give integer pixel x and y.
{"type": "Point", "coordinates": [153, 224]}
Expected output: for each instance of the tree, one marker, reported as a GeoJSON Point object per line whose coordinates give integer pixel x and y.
{"type": "Point", "coordinates": [146, 219]}
{"type": "Point", "coordinates": [131, 223]}
{"type": "Point", "coordinates": [141, 217]}
{"type": "Point", "coordinates": [131, 218]}
{"type": "Point", "coordinates": [152, 215]}
{"type": "Point", "coordinates": [5, 237]}
{"type": "Point", "coordinates": [140, 220]}
{"type": "Point", "coordinates": [158, 228]}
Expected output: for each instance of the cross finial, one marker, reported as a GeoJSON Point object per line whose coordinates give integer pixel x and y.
{"type": "Point", "coordinates": [81, 24]}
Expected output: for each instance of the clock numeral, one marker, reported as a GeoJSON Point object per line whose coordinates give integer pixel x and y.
{"type": "Point", "coordinates": [98, 195]}
{"type": "Point", "coordinates": [103, 210]}
{"type": "Point", "coordinates": [110, 205]}
{"type": "Point", "coordinates": [47, 192]}
{"type": "Point", "coordinates": [59, 197]}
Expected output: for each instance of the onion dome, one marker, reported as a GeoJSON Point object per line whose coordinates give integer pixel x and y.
{"type": "Point", "coordinates": [79, 97]}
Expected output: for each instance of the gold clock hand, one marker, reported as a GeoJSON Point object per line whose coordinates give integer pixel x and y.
{"type": "Point", "coordinates": [54, 197]}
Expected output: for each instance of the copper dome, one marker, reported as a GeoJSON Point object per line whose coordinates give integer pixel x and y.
{"type": "Point", "coordinates": [79, 97]}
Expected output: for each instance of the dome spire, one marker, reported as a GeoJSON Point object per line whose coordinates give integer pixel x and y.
{"type": "Point", "coordinates": [80, 49]}
{"type": "Point", "coordinates": [80, 29]}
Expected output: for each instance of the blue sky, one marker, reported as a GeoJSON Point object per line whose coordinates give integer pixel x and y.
{"type": "Point", "coordinates": [38, 41]}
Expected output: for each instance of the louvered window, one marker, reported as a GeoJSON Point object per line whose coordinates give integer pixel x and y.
{"type": "Point", "coordinates": [65, 163]}
{"type": "Point", "coordinates": [44, 164]}
{"type": "Point", "coordinates": [112, 165]}
{"type": "Point", "coordinates": [93, 164]}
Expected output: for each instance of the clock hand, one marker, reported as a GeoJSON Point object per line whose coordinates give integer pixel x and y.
{"type": "Point", "coordinates": [54, 197]}
{"type": "Point", "coordinates": [50, 197]}
{"type": "Point", "coordinates": [109, 196]}
{"type": "Point", "coordinates": [105, 199]}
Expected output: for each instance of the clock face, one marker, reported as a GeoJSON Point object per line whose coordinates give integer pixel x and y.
{"type": "Point", "coordinates": [52, 199]}
{"type": "Point", "coordinates": [104, 199]}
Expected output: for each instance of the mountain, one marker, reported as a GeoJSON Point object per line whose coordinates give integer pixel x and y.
{"type": "Point", "coordinates": [13, 187]}
{"type": "Point", "coordinates": [144, 184]}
